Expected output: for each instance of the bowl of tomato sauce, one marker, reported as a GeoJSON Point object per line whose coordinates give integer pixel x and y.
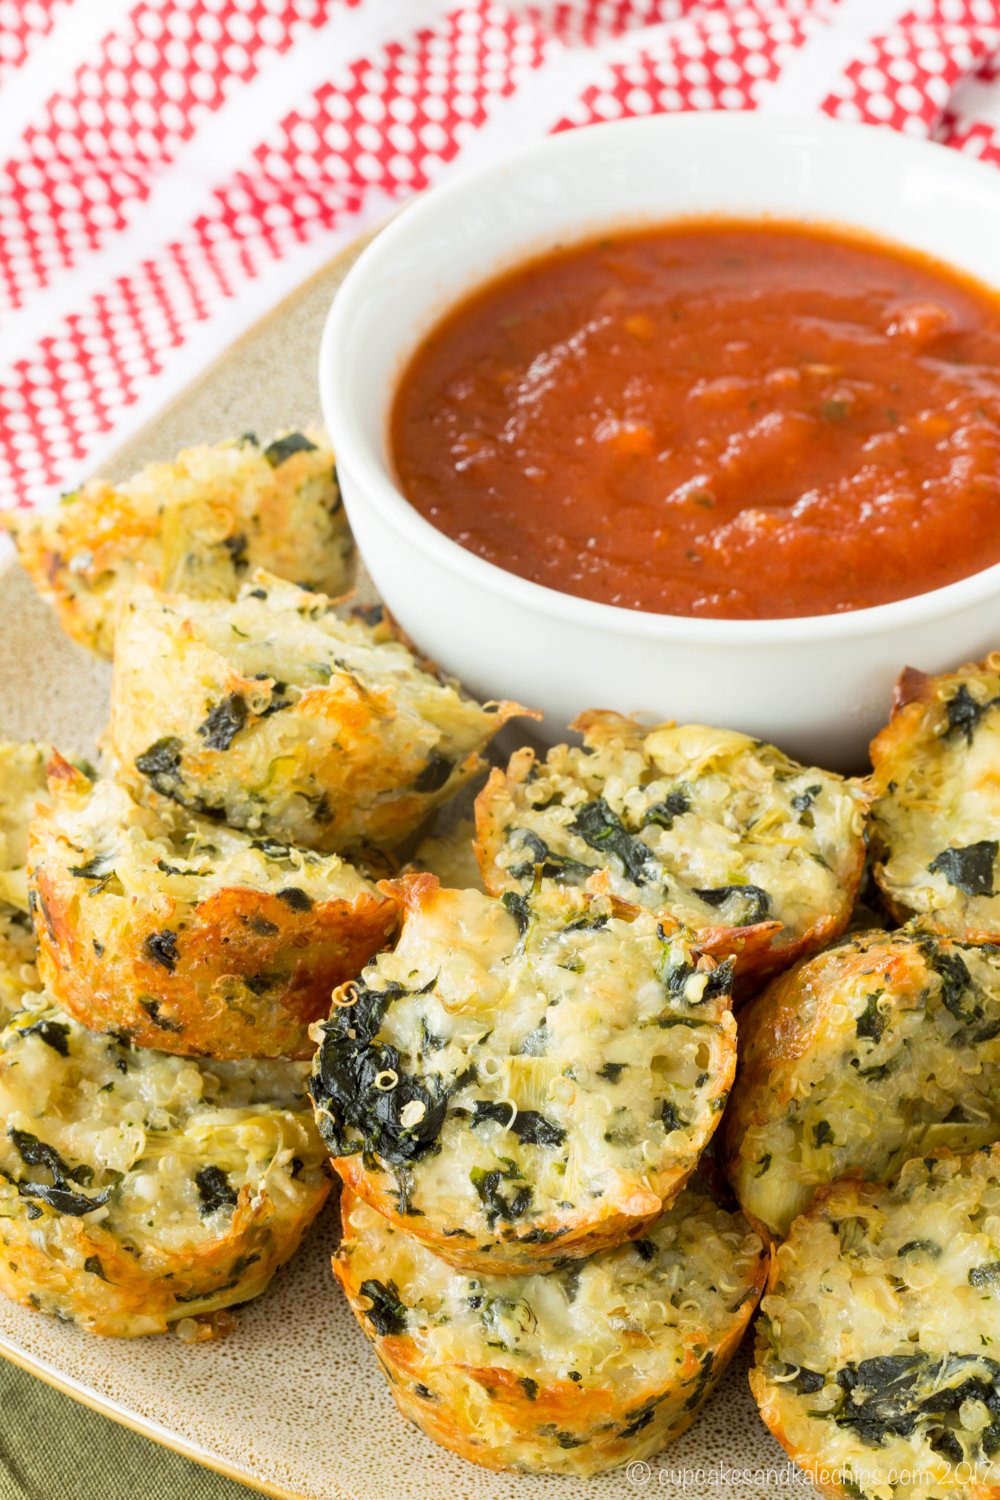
{"type": "Point", "coordinates": [694, 416]}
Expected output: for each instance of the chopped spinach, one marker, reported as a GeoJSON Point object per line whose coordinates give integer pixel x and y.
{"type": "Point", "coordinates": [160, 765]}
{"type": "Point", "coordinates": [587, 924]}
{"type": "Point", "coordinates": [803, 801]}
{"type": "Point", "coordinates": [282, 448]}
{"type": "Point", "coordinates": [60, 1195]}
{"type": "Point", "coordinates": [528, 1125]}
{"type": "Point", "coordinates": [604, 831]}
{"type": "Point", "coordinates": [262, 927]}
{"type": "Point", "coordinates": [100, 868]}
{"type": "Point", "coordinates": [224, 722]}
{"type": "Point", "coordinates": [662, 814]}
{"type": "Point", "coordinates": [152, 1009]}
{"type": "Point", "coordinates": [529, 1386]}
{"type": "Point", "coordinates": [674, 977]}
{"type": "Point", "coordinates": [929, 1247]}
{"type": "Point", "coordinates": [747, 904]}
{"type": "Point", "coordinates": [295, 898]}
{"type": "Point", "coordinates": [890, 1394]}
{"type": "Point", "coordinates": [560, 867]}
{"type": "Point", "coordinates": [805, 1381]}
{"type": "Point", "coordinates": [985, 1277]}
{"type": "Point", "coordinates": [236, 545]}
{"type": "Point", "coordinates": [964, 713]}
{"type": "Point", "coordinates": [161, 947]}
{"type": "Point", "coordinates": [670, 1117]}
{"type": "Point", "coordinates": [215, 1191]}
{"type": "Point", "coordinates": [387, 1313]}
{"type": "Point", "coordinates": [822, 1134]}
{"type": "Point", "coordinates": [435, 773]}
{"type": "Point", "coordinates": [488, 1185]}
{"type": "Point", "coordinates": [612, 1071]}
{"type": "Point", "coordinates": [343, 1088]}
{"type": "Point", "coordinates": [872, 1022]}
{"type": "Point", "coordinates": [969, 869]}
{"type": "Point", "coordinates": [54, 1033]}
{"type": "Point", "coordinates": [519, 909]}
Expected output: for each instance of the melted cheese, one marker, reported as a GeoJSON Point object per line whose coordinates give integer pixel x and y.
{"type": "Point", "coordinates": [196, 526]}
{"type": "Point", "coordinates": [936, 815]}
{"type": "Point", "coordinates": [906, 1276]}
{"type": "Point", "coordinates": [579, 1068]}
{"type": "Point", "coordinates": [278, 716]}
{"type": "Point", "coordinates": [883, 1048]}
{"type": "Point", "coordinates": [571, 1371]}
{"type": "Point", "coordinates": [692, 810]}
{"type": "Point", "coordinates": [135, 1131]}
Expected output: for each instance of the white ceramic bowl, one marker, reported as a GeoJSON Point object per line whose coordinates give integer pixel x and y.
{"type": "Point", "coordinates": [818, 686]}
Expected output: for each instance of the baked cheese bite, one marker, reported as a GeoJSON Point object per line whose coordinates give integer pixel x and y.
{"type": "Point", "coordinates": [884, 1047]}
{"type": "Point", "coordinates": [753, 853]}
{"type": "Point", "coordinates": [272, 714]}
{"type": "Point", "coordinates": [187, 935]}
{"type": "Point", "coordinates": [199, 526]}
{"type": "Point", "coordinates": [878, 1346]}
{"type": "Point", "coordinates": [23, 784]}
{"type": "Point", "coordinates": [570, 1371]}
{"type": "Point", "coordinates": [935, 818]}
{"type": "Point", "coordinates": [140, 1190]}
{"type": "Point", "coordinates": [524, 1081]}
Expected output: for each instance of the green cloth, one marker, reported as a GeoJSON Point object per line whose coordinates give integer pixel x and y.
{"type": "Point", "coordinates": [52, 1448]}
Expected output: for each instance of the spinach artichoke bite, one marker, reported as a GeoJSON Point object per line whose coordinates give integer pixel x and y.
{"type": "Point", "coordinates": [274, 715]}
{"type": "Point", "coordinates": [935, 817]}
{"type": "Point", "coordinates": [199, 525]}
{"type": "Point", "coordinates": [525, 1081]}
{"type": "Point", "coordinates": [751, 852]}
{"type": "Point", "coordinates": [187, 935]}
{"type": "Point", "coordinates": [884, 1047]}
{"type": "Point", "coordinates": [570, 1371]}
{"type": "Point", "coordinates": [878, 1345]}
{"type": "Point", "coordinates": [139, 1189]}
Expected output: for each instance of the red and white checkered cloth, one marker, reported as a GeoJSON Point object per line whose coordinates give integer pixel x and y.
{"type": "Point", "coordinates": [169, 169]}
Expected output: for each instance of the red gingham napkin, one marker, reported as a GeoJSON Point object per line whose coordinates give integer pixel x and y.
{"type": "Point", "coordinates": [171, 168]}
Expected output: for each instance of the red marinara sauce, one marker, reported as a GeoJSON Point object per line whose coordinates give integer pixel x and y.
{"type": "Point", "coordinates": [715, 418]}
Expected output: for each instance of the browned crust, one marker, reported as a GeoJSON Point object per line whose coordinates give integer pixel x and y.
{"type": "Point", "coordinates": [202, 1006]}
{"type": "Point", "coordinates": [773, 1032]}
{"type": "Point", "coordinates": [560, 1404]}
{"type": "Point", "coordinates": [157, 1286]}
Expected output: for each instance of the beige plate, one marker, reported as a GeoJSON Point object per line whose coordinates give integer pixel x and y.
{"type": "Point", "coordinates": [293, 1403]}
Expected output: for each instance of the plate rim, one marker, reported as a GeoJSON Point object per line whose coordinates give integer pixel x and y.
{"type": "Point", "coordinates": [106, 1406]}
